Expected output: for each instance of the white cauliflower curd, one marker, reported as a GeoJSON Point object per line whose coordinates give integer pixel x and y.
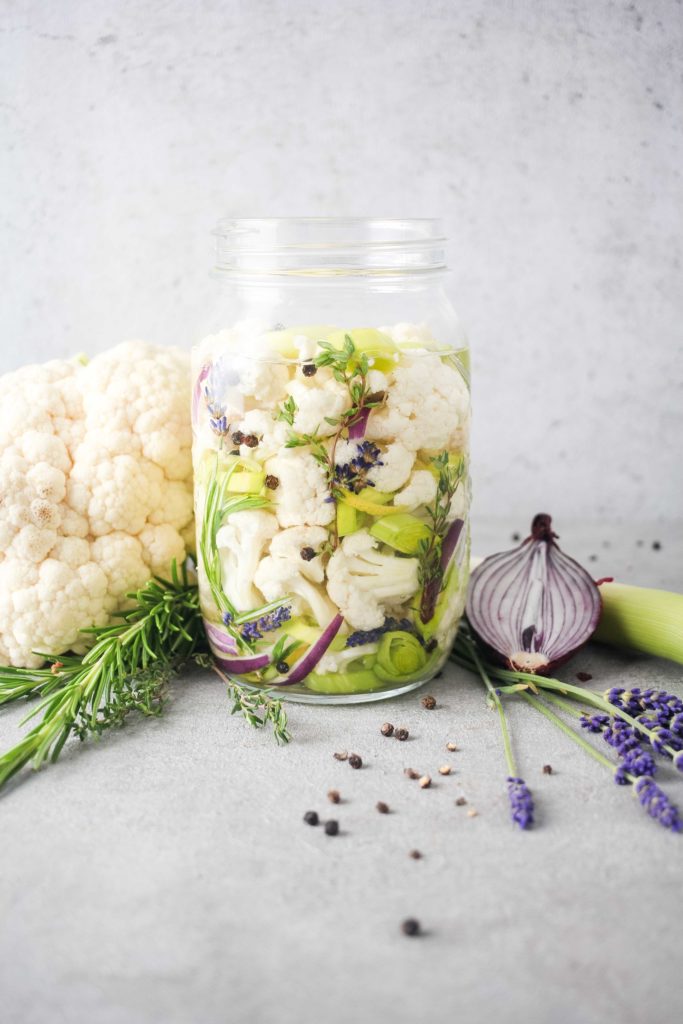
{"type": "Point", "coordinates": [95, 491]}
{"type": "Point", "coordinates": [427, 405]}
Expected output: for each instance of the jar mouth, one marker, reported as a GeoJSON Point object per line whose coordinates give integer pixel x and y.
{"type": "Point", "coordinates": [321, 246]}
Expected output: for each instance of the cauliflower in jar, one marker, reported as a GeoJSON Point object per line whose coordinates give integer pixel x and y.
{"type": "Point", "coordinates": [427, 405]}
{"type": "Point", "coordinates": [362, 582]}
{"type": "Point", "coordinates": [302, 495]}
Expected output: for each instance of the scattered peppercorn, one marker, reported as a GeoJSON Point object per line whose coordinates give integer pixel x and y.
{"type": "Point", "coordinates": [382, 807]}
{"type": "Point", "coordinates": [656, 545]}
{"type": "Point", "coordinates": [356, 761]}
{"type": "Point", "coordinates": [272, 482]}
{"type": "Point", "coordinates": [235, 451]}
{"type": "Point", "coordinates": [401, 734]}
{"type": "Point", "coordinates": [547, 769]}
{"type": "Point", "coordinates": [251, 441]}
{"type": "Point", "coordinates": [333, 796]}
{"type": "Point", "coordinates": [311, 817]}
{"type": "Point", "coordinates": [451, 746]}
{"type": "Point", "coordinates": [387, 729]}
{"type": "Point", "coordinates": [429, 702]}
{"type": "Point", "coordinates": [583, 677]}
{"type": "Point", "coordinates": [237, 437]}
{"type": "Point", "coordinates": [592, 558]}
{"type": "Point", "coordinates": [331, 827]}
{"type": "Point", "coordinates": [410, 926]}
{"type": "Point", "coordinates": [472, 813]}
{"type": "Point", "coordinates": [445, 769]}
{"type": "Point", "coordinates": [639, 543]}
{"type": "Point", "coordinates": [516, 537]}
{"type": "Point", "coordinates": [425, 782]}
{"type": "Point", "coordinates": [341, 755]}
{"type": "Point", "coordinates": [309, 369]}
{"type": "Point", "coordinates": [415, 854]}
{"type": "Point", "coordinates": [282, 666]}
{"type": "Point", "coordinates": [307, 554]}
{"type": "Point", "coordinates": [460, 802]}
{"type": "Point", "coordinates": [411, 773]}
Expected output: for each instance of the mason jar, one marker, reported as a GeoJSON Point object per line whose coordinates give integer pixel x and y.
{"type": "Point", "coordinates": [331, 417]}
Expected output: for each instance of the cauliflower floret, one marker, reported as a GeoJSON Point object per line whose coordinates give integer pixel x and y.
{"type": "Point", "coordinates": [95, 491]}
{"type": "Point", "coordinates": [361, 581]}
{"type": "Point", "coordinates": [391, 467]}
{"type": "Point", "coordinates": [281, 577]}
{"type": "Point", "coordinates": [406, 333]}
{"type": "Point", "coordinates": [301, 496]}
{"type": "Point", "coordinates": [427, 405]}
{"type": "Point", "coordinates": [421, 490]}
{"type": "Point", "coordinates": [263, 380]}
{"type": "Point", "coordinates": [272, 434]}
{"type": "Point", "coordinates": [240, 544]}
{"type": "Point", "coordinates": [314, 404]}
{"type": "Point", "coordinates": [291, 542]}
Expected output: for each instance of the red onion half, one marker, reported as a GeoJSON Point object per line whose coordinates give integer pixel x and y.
{"type": "Point", "coordinates": [533, 606]}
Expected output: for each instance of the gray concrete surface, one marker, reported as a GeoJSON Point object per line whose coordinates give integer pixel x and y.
{"type": "Point", "coordinates": [548, 135]}
{"type": "Point", "coordinates": [167, 875]}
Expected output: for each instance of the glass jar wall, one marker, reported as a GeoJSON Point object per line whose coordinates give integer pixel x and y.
{"type": "Point", "coordinates": [331, 419]}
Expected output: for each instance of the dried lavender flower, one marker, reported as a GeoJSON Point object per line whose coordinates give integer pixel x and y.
{"type": "Point", "coordinates": [521, 802]}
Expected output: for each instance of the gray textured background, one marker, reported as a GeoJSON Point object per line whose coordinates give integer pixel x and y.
{"type": "Point", "coordinates": [548, 135]}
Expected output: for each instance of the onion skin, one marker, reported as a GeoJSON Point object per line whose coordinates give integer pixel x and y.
{"type": "Point", "coordinates": [533, 607]}
{"type": "Point", "coordinates": [240, 666]}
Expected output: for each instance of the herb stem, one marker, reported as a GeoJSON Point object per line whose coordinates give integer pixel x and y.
{"type": "Point", "coordinates": [498, 704]}
{"type": "Point", "coordinates": [572, 733]}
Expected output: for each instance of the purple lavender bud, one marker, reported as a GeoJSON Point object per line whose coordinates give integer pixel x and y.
{"type": "Point", "coordinates": [678, 761]}
{"type": "Point", "coordinates": [521, 802]}
{"type": "Point", "coordinates": [227, 618]}
{"type": "Point", "coordinates": [657, 804]}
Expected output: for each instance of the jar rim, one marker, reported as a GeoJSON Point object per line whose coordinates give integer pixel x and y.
{"type": "Point", "coordinates": [329, 245]}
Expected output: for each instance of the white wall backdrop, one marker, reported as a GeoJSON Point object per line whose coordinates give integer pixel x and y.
{"type": "Point", "coordinates": [548, 135]}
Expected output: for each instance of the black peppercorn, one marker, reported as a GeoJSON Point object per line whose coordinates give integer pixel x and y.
{"type": "Point", "coordinates": [387, 729]}
{"type": "Point", "coordinates": [355, 761]}
{"type": "Point", "coordinates": [547, 769]}
{"type": "Point", "coordinates": [237, 437]}
{"type": "Point", "coordinates": [410, 926]}
{"type": "Point", "coordinates": [401, 734]}
{"type": "Point", "coordinates": [429, 702]}
{"type": "Point", "coordinates": [282, 667]}
{"type": "Point", "coordinates": [656, 545]}
{"type": "Point", "coordinates": [307, 554]}
{"type": "Point", "coordinates": [331, 827]}
{"type": "Point", "coordinates": [311, 817]}
{"type": "Point", "coordinates": [235, 451]}
{"type": "Point", "coordinates": [382, 807]}
{"type": "Point", "coordinates": [309, 369]}
{"type": "Point", "coordinates": [272, 482]}
{"type": "Point", "coordinates": [415, 854]}
{"type": "Point", "coordinates": [251, 441]}
{"type": "Point", "coordinates": [333, 796]}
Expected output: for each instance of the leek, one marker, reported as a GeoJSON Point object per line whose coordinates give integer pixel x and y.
{"type": "Point", "coordinates": [641, 619]}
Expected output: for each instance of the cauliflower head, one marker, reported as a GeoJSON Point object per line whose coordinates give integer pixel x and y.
{"type": "Point", "coordinates": [361, 580]}
{"type": "Point", "coordinates": [95, 491]}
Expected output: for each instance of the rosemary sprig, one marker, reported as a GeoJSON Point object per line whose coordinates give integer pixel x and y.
{"type": "Point", "coordinates": [258, 707]}
{"type": "Point", "coordinates": [127, 669]}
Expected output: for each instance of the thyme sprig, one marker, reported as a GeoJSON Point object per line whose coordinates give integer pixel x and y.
{"type": "Point", "coordinates": [351, 369]}
{"type": "Point", "coordinates": [258, 707]}
{"type": "Point", "coordinates": [430, 573]}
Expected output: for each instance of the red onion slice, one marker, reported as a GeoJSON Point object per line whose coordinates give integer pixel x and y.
{"type": "Point", "coordinates": [197, 392]}
{"type": "Point", "coordinates": [359, 426]}
{"type": "Point", "coordinates": [312, 656]}
{"type": "Point", "coordinates": [533, 606]}
{"type": "Point", "coordinates": [239, 666]}
{"type": "Point", "coordinates": [220, 640]}
{"type": "Point", "coordinates": [450, 543]}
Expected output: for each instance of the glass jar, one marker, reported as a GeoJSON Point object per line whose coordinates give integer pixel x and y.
{"type": "Point", "coordinates": [331, 418]}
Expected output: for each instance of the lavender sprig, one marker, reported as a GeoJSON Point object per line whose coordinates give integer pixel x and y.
{"type": "Point", "coordinates": [253, 631]}
{"type": "Point", "coordinates": [623, 738]}
{"type": "Point", "coordinates": [657, 804]}
{"type": "Point", "coordinates": [521, 802]}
